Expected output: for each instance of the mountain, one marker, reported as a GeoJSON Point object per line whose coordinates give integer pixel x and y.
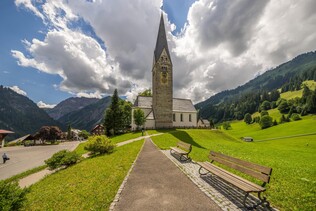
{"type": "Point", "coordinates": [21, 115]}
{"type": "Point", "coordinates": [87, 117]}
{"type": "Point", "coordinates": [70, 105]}
{"type": "Point", "coordinates": [235, 103]}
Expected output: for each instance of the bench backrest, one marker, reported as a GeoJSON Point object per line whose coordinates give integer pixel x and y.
{"type": "Point", "coordinates": [257, 171]}
{"type": "Point", "coordinates": [184, 146]}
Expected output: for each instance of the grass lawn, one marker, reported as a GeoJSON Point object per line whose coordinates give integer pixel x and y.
{"type": "Point", "coordinates": [88, 185]}
{"type": "Point", "coordinates": [241, 129]}
{"type": "Point", "coordinates": [293, 181]}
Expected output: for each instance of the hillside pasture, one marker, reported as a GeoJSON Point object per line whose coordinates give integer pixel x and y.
{"type": "Point", "coordinates": [293, 181]}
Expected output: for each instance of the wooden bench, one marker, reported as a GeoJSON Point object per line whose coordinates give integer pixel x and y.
{"type": "Point", "coordinates": [182, 149]}
{"type": "Point", "coordinates": [259, 172]}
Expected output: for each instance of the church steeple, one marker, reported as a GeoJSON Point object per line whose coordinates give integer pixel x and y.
{"type": "Point", "coordinates": [162, 103]}
{"type": "Point", "coordinates": [161, 40]}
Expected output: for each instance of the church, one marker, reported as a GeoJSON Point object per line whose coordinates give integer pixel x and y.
{"type": "Point", "coordinates": [161, 109]}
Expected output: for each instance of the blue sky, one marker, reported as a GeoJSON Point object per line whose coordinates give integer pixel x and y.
{"type": "Point", "coordinates": [52, 50]}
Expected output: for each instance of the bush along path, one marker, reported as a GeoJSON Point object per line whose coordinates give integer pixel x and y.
{"type": "Point", "coordinates": [33, 178]}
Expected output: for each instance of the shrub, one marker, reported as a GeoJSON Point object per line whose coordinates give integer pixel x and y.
{"type": "Point", "coordinates": [264, 113]}
{"type": "Point", "coordinates": [99, 145]}
{"type": "Point", "coordinates": [296, 117]}
{"type": "Point", "coordinates": [247, 118]}
{"type": "Point", "coordinates": [284, 107]}
{"type": "Point", "coordinates": [62, 158]}
{"type": "Point", "coordinates": [227, 126]}
{"type": "Point", "coordinates": [265, 122]}
{"type": "Point", "coordinates": [12, 196]}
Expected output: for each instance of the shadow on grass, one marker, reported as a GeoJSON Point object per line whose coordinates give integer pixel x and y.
{"type": "Point", "coordinates": [182, 136]}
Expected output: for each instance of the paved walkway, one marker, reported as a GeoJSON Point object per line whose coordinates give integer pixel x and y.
{"type": "Point", "coordinates": [155, 183]}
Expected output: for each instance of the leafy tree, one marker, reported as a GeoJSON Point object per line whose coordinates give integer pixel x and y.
{"type": "Point", "coordinates": [248, 118]}
{"type": "Point", "coordinates": [146, 93]}
{"type": "Point", "coordinates": [69, 134]}
{"type": "Point", "coordinates": [99, 145]}
{"type": "Point", "coordinates": [264, 113]}
{"type": "Point", "coordinates": [275, 123]}
{"type": "Point", "coordinates": [265, 122]}
{"type": "Point", "coordinates": [256, 119]}
{"type": "Point", "coordinates": [50, 133]}
{"type": "Point", "coordinates": [126, 109]}
{"type": "Point", "coordinates": [212, 125]}
{"type": "Point", "coordinates": [266, 105]}
{"type": "Point", "coordinates": [12, 196]}
{"type": "Point", "coordinates": [117, 116]}
{"type": "Point", "coordinates": [139, 117]}
{"type": "Point", "coordinates": [311, 103]}
{"type": "Point", "coordinates": [283, 107]}
{"type": "Point", "coordinates": [274, 95]}
{"type": "Point", "coordinates": [227, 126]}
{"type": "Point", "coordinates": [84, 134]}
{"type": "Point", "coordinates": [295, 117]}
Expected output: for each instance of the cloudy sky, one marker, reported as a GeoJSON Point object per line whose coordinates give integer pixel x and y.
{"type": "Point", "coordinates": [51, 50]}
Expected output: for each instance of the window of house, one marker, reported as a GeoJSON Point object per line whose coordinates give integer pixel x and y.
{"type": "Point", "coordinates": [181, 117]}
{"type": "Point", "coordinates": [190, 118]}
{"type": "Point", "coordinates": [174, 117]}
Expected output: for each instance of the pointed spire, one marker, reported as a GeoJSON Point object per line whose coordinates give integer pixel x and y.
{"type": "Point", "coordinates": [161, 40]}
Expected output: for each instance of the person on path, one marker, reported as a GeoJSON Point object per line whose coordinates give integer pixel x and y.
{"type": "Point", "coordinates": [5, 157]}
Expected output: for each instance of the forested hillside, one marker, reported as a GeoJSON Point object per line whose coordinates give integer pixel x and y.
{"type": "Point", "coordinates": [234, 104]}
{"type": "Point", "coordinates": [87, 117]}
{"type": "Point", "coordinates": [21, 115]}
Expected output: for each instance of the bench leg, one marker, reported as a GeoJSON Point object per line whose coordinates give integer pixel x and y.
{"type": "Point", "coordinates": [185, 158]}
{"type": "Point", "coordinates": [200, 172]}
{"type": "Point", "coordinates": [263, 201]}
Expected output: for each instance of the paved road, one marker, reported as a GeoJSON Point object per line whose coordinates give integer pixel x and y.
{"type": "Point", "coordinates": [25, 158]}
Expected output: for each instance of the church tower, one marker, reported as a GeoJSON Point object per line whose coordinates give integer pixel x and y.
{"type": "Point", "coordinates": [162, 80]}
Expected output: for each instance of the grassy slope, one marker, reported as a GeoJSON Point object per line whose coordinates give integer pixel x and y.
{"type": "Point", "coordinates": [241, 129]}
{"type": "Point", "coordinates": [293, 183]}
{"type": "Point", "coordinates": [293, 94]}
{"type": "Point", "coordinates": [89, 185]}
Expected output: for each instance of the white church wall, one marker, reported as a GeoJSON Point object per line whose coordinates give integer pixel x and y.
{"type": "Point", "coordinates": [185, 121]}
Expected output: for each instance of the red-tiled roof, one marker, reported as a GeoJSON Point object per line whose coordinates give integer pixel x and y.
{"type": "Point", "coordinates": [5, 131]}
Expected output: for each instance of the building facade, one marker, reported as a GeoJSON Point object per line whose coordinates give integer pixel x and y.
{"type": "Point", "coordinates": [162, 110]}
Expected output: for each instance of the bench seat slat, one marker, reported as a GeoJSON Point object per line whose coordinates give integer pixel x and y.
{"type": "Point", "coordinates": [239, 182]}
{"type": "Point", "coordinates": [180, 151]}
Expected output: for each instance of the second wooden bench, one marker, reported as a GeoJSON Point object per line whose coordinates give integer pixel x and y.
{"type": "Point", "coordinates": [259, 172]}
{"type": "Point", "coordinates": [183, 149]}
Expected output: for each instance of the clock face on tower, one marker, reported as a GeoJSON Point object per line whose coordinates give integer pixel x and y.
{"type": "Point", "coordinates": [164, 75]}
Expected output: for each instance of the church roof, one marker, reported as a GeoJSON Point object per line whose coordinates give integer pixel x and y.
{"type": "Point", "coordinates": [179, 105]}
{"type": "Point", "coordinates": [183, 105]}
{"type": "Point", "coordinates": [161, 40]}
{"type": "Point", "coordinates": [143, 102]}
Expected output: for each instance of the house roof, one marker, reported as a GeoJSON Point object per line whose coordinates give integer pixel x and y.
{"type": "Point", "coordinates": [5, 131]}
{"type": "Point", "coordinates": [179, 105]}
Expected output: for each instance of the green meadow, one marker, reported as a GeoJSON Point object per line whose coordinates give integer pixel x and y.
{"type": "Point", "coordinates": [89, 185]}
{"type": "Point", "coordinates": [293, 181]}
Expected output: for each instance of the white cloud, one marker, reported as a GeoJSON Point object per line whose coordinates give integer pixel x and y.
{"type": "Point", "coordinates": [90, 95]}
{"type": "Point", "coordinates": [18, 90]}
{"type": "Point", "coordinates": [41, 104]}
{"type": "Point", "coordinates": [224, 44]}
{"type": "Point", "coordinates": [29, 5]}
